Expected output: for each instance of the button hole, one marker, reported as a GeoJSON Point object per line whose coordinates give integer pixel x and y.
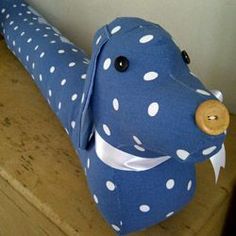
{"type": "Point", "coordinates": [213, 117]}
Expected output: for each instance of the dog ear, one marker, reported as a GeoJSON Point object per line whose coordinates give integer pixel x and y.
{"type": "Point", "coordinates": [86, 127]}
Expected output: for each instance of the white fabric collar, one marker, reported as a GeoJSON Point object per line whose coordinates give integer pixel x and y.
{"type": "Point", "coordinates": [121, 160]}
{"type": "Point", "coordinates": [218, 161]}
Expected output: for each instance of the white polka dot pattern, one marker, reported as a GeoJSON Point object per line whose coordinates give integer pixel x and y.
{"type": "Point", "coordinates": [141, 149]}
{"type": "Point", "coordinates": [146, 38]}
{"type": "Point", "coordinates": [144, 208]}
{"type": "Point", "coordinates": [150, 76]}
{"type": "Point", "coordinates": [137, 140]}
{"type": "Point", "coordinates": [203, 92]}
{"type": "Point", "coordinates": [106, 129]}
{"type": "Point", "coordinates": [189, 185]}
{"type": "Point", "coordinates": [73, 123]}
{"type": "Point", "coordinates": [82, 98]}
{"type": "Point", "coordinates": [88, 163]}
{"type": "Point", "coordinates": [169, 214]}
{"type": "Point", "coordinates": [98, 40]}
{"type": "Point", "coordinates": [182, 154]}
{"type": "Point", "coordinates": [40, 77]}
{"type": "Point", "coordinates": [170, 184]}
{"type": "Point", "coordinates": [115, 227]}
{"type": "Point", "coordinates": [153, 109]}
{"type": "Point", "coordinates": [63, 82]}
{"type": "Point", "coordinates": [110, 185]}
{"type": "Point", "coordinates": [95, 199]}
{"type": "Point", "coordinates": [42, 55]}
{"type": "Point", "coordinates": [83, 76]}
{"type": "Point", "coordinates": [74, 97]}
{"type": "Point", "coordinates": [115, 104]}
{"type": "Point", "coordinates": [209, 150]}
{"type": "Point", "coordinates": [52, 69]}
{"type": "Point", "coordinates": [61, 51]}
{"type": "Point", "coordinates": [107, 64]}
{"type": "Point", "coordinates": [72, 64]}
{"type": "Point", "coordinates": [59, 106]}
{"type": "Point", "coordinates": [116, 29]}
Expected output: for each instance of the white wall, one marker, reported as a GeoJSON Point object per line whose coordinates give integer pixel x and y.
{"type": "Point", "coordinates": [205, 28]}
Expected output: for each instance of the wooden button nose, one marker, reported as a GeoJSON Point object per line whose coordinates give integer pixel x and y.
{"type": "Point", "coordinates": [212, 117]}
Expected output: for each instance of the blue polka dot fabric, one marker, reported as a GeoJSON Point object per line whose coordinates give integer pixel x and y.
{"type": "Point", "coordinates": [129, 111]}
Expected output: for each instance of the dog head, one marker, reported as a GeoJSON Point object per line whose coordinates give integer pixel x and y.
{"type": "Point", "coordinates": [142, 98]}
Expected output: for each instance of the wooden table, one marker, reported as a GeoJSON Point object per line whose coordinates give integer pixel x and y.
{"type": "Point", "coordinates": [43, 189]}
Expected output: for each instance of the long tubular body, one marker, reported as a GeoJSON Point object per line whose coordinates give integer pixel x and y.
{"type": "Point", "coordinates": [56, 65]}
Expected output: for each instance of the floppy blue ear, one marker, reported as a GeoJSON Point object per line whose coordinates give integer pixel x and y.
{"type": "Point", "coordinates": [85, 114]}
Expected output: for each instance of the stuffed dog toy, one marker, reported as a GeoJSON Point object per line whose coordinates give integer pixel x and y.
{"type": "Point", "coordinates": [137, 116]}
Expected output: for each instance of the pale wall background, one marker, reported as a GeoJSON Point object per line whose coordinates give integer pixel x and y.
{"type": "Point", "coordinates": [205, 28]}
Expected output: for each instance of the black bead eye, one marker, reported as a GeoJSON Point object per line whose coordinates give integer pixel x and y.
{"type": "Point", "coordinates": [121, 63]}
{"type": "Point", "coordinates": [185, 56]}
